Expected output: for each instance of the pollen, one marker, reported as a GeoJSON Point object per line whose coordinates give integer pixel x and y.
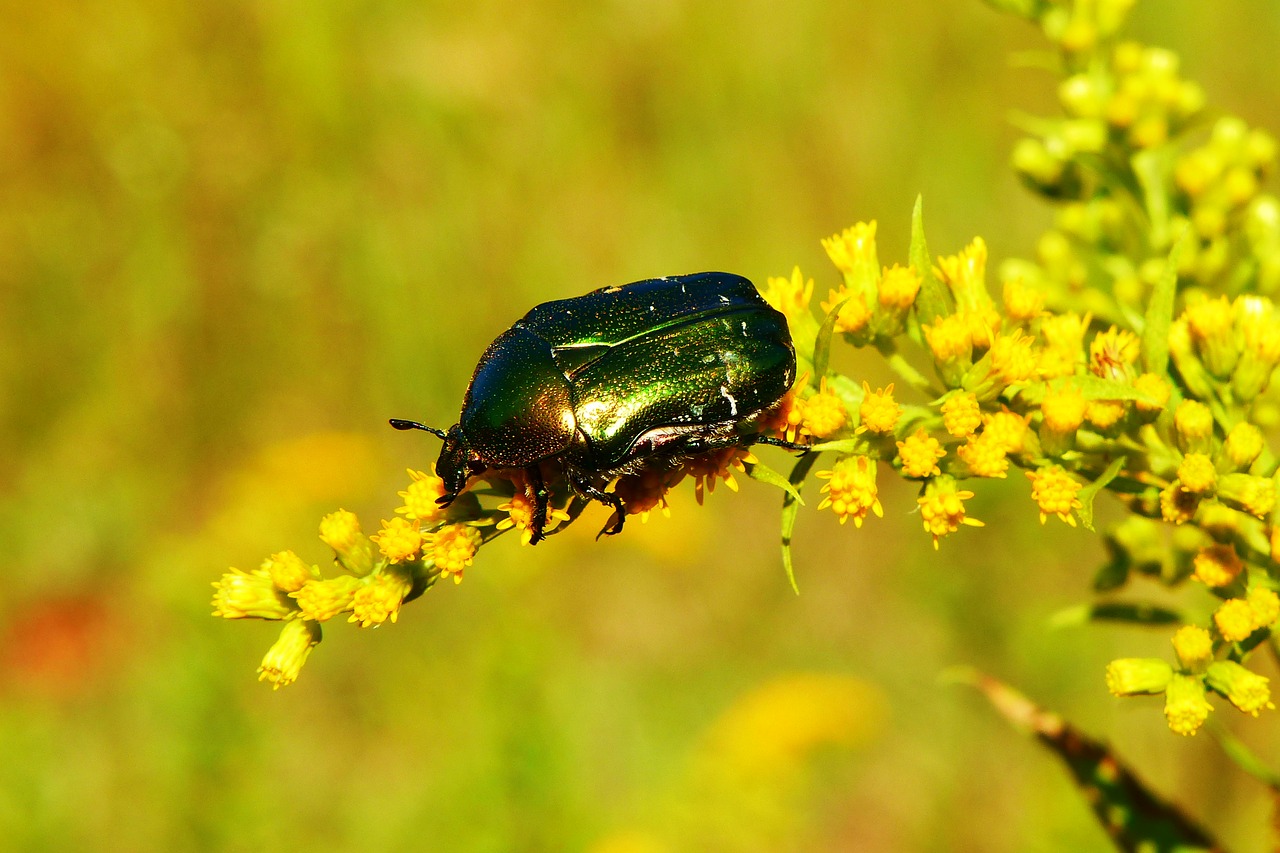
{"type": "Point", "coordinates": [1234, 618]}
{"type": "Point", "coordinates": [421, 496]}
{"type": "Point", "coordinates": [1055, 491]}
{"type": "Point", "coordinates": [985, 456]}
{"type": "Point", "coordinates": [379, 599]}
{"type": "Point", "coordinates": [399, 540]}
{"type": "Point", "coordinates": [1196, 473]}
{"type": "Point", "coordinates": [854, 313]}
{"type": "Point", "coordinates": [453, 548]}
{"type": "Point", "coordinates": [961, 415]}
{"type": "Point", "coordinates": [824, 413]}
{"type": "Point", "coordinates": [851, 489]}
{"type": "Point", "coordinates": [1217, 565]}
{"type": "Point", "coordinates": [1063, 409]}
{"type": "Point", "coordinates": [879, 412]}
{"type": "Point", "coordinates": [919, 454]}
{"type": "Point", "coordinates": [898, 287]}
{"type": "Point", "coordinates": [942, 508]}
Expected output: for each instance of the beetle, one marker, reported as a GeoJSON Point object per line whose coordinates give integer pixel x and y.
{"type": "Point", "coordinates": [624, 377]}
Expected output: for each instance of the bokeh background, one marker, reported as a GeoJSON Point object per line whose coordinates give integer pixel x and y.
{"type": "Point", "coordinates": [236, 237]}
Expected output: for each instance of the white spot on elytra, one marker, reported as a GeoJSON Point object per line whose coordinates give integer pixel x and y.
{"type": "Point", "coordinates": [733, 404]}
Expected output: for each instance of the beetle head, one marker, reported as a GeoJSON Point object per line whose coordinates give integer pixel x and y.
{"type": "Point", "coordinates": [457, 464]}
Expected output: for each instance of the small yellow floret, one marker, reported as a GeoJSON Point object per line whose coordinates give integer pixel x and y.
{"type": "Point", "coordinates": [1177, 505]}
{"type": "Point", "coordinates": [1265, 605]}
{"type": "Point", "coordinates": [288, 572]}
{"type": "Point", "coordinates": [1006, 427]}
{"type": "Point", "coordinates": [949, 338]}
{"type": "Point", "coordinates": [1104, 414]}
{"type": "Point", "coordinates": [824, 413]}
{"type": "Point", "coordinates": [379, 599]}
{"type": "Point", "coordinates": [1234, 618]}
{"type": "Point", "coordinates": [1244, 444]}
{"type": "Point", "coordinates": [1217, 565]}
{"type": "Point", "coordinates": [942, 508]}
{"type": "Point", "coordinates": [1185, 705]}
{"type": "Point", "coordinates": [1194, 423]}
{"type": "Point", "coordinates": [852, 246]}
{"type": "Point", "coordinates": [1196, 473]}
{"type": "Point", "coordinates": [283, 661]}
{"type": "Point", "coordinates": [961, 415]}
{"type": "Point", "coordinates": [898, 287]}
{"type": "Point", "coordinates": [791, 295]}
{"type": "Point", "coordinates": [1193, 645]}
{"type": "Point", "coordinates": [399, 540]}
{"type": "Point", "coordinates": [1012, 358]}
{"type": "Point", "coordinates": [420, 498]}
{"type": "Point", "coordinates": [1156, 389]}
{"type": "Point", "coordinates": [879, 412]}
{"type": "Point", "coordinates": [340, 530]}
{"type": "Point", "coordinates": [851, 489]}
{"type": "Point", "coordinates": [1054, 490]}
{"type": "Point", "coordinates": [1063, 409]}
{"type": "Point", "coordinates": [985, 455]}
{"type": "Point", "coordinates": [1022, 302]}
{"type": "Point", "coordinates": [453, 548]}
{"type": "Point", "coordinates": [919, 454]}
{"type": "Point", "coordinates": [854, 313]}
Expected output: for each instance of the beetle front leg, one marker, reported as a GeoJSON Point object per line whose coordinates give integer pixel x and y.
{"type": "Point", "coordinates": [537, 493]}
{"type": "Point", "coordinates": [585, 488]}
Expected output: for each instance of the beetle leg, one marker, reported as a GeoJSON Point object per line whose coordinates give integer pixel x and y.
{"type": "Point", "coordinates": [584, 487]}
{"type": "Point", "coordinates": [779, 442]}
{"type": "Point", "coordinates": [539, 496]}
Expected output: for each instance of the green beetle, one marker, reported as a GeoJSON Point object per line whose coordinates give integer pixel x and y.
{"type": "Point", "coordinates": [624, 377]}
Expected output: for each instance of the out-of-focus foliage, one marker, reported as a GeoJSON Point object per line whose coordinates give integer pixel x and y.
{"type": "Point", "coordinates": [235, 238]}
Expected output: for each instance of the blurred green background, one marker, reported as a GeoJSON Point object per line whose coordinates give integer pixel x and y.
{"type": "Point", "coordinates": [236, 237]}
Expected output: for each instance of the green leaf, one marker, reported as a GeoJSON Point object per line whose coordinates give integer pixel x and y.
{"type": "Point", "coordinates": [1151, 167]}
{"type": "Point", "coordinates": [1126, 612]}
{"type": "Point", "coordinates": [1089, 492]}
{"type": "Point", "coordinates": [1155, 332]}
{"type": "Point", "coordinates": [933, 300]}
{"type": "Point", "coordinates": [822, 345]}
{"type": "Point", "coordinates": [1090, 387]}
{"type": "Point", "coordinates": [765, 474]}
{"type": "Point", "coordinates": [791, 508]}
{"type": "Point", "coordinates": [1244, 758]}
{"type": "Point", "coordinates": [1131, 814]}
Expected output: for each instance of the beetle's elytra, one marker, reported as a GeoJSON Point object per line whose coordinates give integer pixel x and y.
{"type": "Point", "coordinates": [623, 377]}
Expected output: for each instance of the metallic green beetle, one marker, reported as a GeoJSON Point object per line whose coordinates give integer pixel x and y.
{"type": "Point", "coordinates": [617, 380]}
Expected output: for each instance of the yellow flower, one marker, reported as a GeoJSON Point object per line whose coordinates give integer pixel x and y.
{"type": "Point", "coordinates": [420, 498]}
{"type": "Point", "coordinates": [1234, 618]}
{"type": "Point", "coordinates": [1193, 645]}
{"type": "Point", "coordinates": [1185, 705]}
{"type": "Point", "coordinates": [250, 595]}
{"type": "Point", "coordinates": [646, 490]}
{"type": "Point", "coordinates": [1006, 427]}
{"type": "Point", "coordinates": [898, 287]}
{"type": "Point", "coordinates": [1104, 414]}
{"type": "Point", "coordinates": [791, 296]}
{"type": "Point", "coordinates": [1217, 565]}
{"type": "Point", "coordinates": [340, 530]}
{"type": "Point", "coordinates": [1065, 332]}
{"type": "Point", "coordinates": [1212, 322]}
{"type": "Point", "coordinates": [1012, 359]}
{"type": "Point", "coordinates": [1054, 490]}
{"type": "Point", "coordinates": [961, 414]}
{"type": "Point", "coordinates": [1177, 505]}
{"type": "Point", "coordinates": [965, 273]}
{"type": "Point", "coordinates": [520, 513]}
{"type": "Point", "coordinates": [321, 600]}
{"type": "Point", "coordinates": [1194, 423]}
{"type": "Point", "coordinates": [919, 454]}
{"type": "Point", "coordinates": [1247, 690]}
{"type": "Point", "coordinates": [879, 412]}
{"type": "Point", "coordinates": [1254, 495]}
{"type": "Point", "coordinates": [985, 455]}
{"type": "Point", "coordinates": [1244, 444]}
{"type": "Point", "coordinates": [1113, 353]}
{"type": "Point", "coordinates": [785, 419]}
{"type": "Point", "coordinates": [453, 548]}
{"type": "Point", "coordinates": [824, 413]}
{"type": "Point", "coordinates": [283, 661]}
{"type": "Point", "coordinates": [708, 468]}
{"type": "Point", "coordinates": [1022, 302]}
{"type": "Point", "coordinates": [1196, 473]}
{"type": "Point", "coordinates": [853, 248]}
{"type": "Point", "coordinates": [851, 489]}
{"type": "Point", "coordinates": [1138, 676]}
{"type": "Point", "coordinates": [288, 572]}
{"type": "Point", "coordinates": [399, 540]}
{"type": "Point", "coordinates": [949, 339]}
{"type": "Point", "coordinates": [854, 313]}
{"type": "Point", "coordinates": [1265, 605]}
{"type": "Point", "coordinates": [380, 597]}
{"type": "Point", "coordinates": [1063, 409]}
{"type": "Point", "coordinates": [942, 508]}
{"type": "Point", "coordinates": [1154, 387]}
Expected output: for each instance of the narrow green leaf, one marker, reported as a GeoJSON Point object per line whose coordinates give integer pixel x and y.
{"type": "Point", "coordinates": [1126, 612]}
{"type": "Point", "coordinates": [1089, 492]}
{"type": "Point", "coordinates": [1244, 758]}
{"type": "Point", "coordinates": [790, 509]}
{"type": "Point", "coordinates": [1151, 167]}
{"type": "Point", "coordinates": [933, 300]}
{"type": "Point", "coordinates": [1155, 333]}
{"type": "Point", "coordinates": [822, 345]}
{"type": "Point", "coordinates": [1133, 815]}
{"type": "Point", "coordinates": [765, 474]}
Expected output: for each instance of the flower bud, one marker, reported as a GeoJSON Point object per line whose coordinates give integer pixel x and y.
{"type": "Point", "coordinates": [1247, 690]}
{"type": "Point", "coordinates": [1185, 705]}
{"type": "Point", "coordinates": [1137, 676]}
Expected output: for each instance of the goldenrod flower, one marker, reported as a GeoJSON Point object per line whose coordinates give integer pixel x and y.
{"type": "Point", "coordinates": [1022, 302]}
{"type": "Point", "coordinates": [1063, 409]}
{"type": "Point", "coordinates": [1177, 505]}
{"type": "Point", "coordinates": [1185, 705]}
{"type": "Point", "coordinates": [646, 490]}
{"type": "Point", "coordinates": [706, 469]}
{"type": "Point", "coordinates": [1260, 332]}
{"type": "Point", "coordinates": [949, 339]}
{"type": "Point", "coordinates": [452, 549]}
{"type": "Point", "coordinates": [1104, 414]}
{"type": "Point", "coordinates": [285, 658]}
{"type": "Point", "coordinates": [1196, 473]}
{"type": "Point", "coordinates": [1007, 428]}
{"type": "Point", "coordinates": [420, 498]}
{"type": "Point", "coordinates": [1065, 332]}
{"type": "Point", "coordinates": [1234, 618]}
{"type": "Point", "coordinates": [851, 489]}
{"type": "Point", "coordinates": [854, 313]}
{"type": "Point", "coordinates": [1255, 495]}
{"type": "Point", "coordinates": [786, 418]}
{"type": "Point", "coordinates": [1156, 390]}
{"type": "Point", "coordinates": [853, 250]}
{"type": "Point", "coordinates": [879, 412]}
{"type": "Point", "coordinates": [1247, 690]}
{"type": "Point", "coordinates": [399, 540]}
{"type": "Point", "coordinates": [520, 514]}
{"type": "Point", "coordinates": [1211, 322]}
{"type": "Point", "coordinates": [1244, 444]}
{"type": "Point", "coordinates": [1194, 423]}
{"type": "Point", "coordinates": [1217, 565]}
{"type": "Point", "coordinates": [1054, 490]}
{"type": "Point", "coordinates": [1265, 605]}
{"type": "Point", "coordinates": [321, 600]}
{"type": "Point", "coordinates": [1012, 359]}
{"type": "Point", "coordinates": [985, 455]}
{"type": "Point", "coordinates": [1194, 646]}
{"type": "Point", "coordinates": [1138, 676]}
{"type": "Point", "coordinates": [341, 531]}
{"type": "Point", "coordinates": [824, 413]}
{"type": "Point", "coordinates": [898, 288]}
{"type": "Point", "coordinates": [1113, 353]}
{"type": "Point", "coordinates": [791, 295]}
{"type": "Point", "coordinates": [960, 414]}
{"type": "Point", "coordinates": [288, 572]}
{"type": "Point", "coordinates": [381, 595]}
{"type": "Point", "coordinates": [919, 454]}
{"type": "Point", "coordinates": [250, 595]}
{"type": "Point", "coordinates": [965, 273]}
{"type": "Point", "coordinates": [942, 508]}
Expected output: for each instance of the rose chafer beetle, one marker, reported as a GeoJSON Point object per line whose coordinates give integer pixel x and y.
{"type": "Point", "coordinates": [619, 379]}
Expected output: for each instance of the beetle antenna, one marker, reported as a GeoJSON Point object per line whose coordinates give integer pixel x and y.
{"type": "Point", "coordinates": [403, 424]}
